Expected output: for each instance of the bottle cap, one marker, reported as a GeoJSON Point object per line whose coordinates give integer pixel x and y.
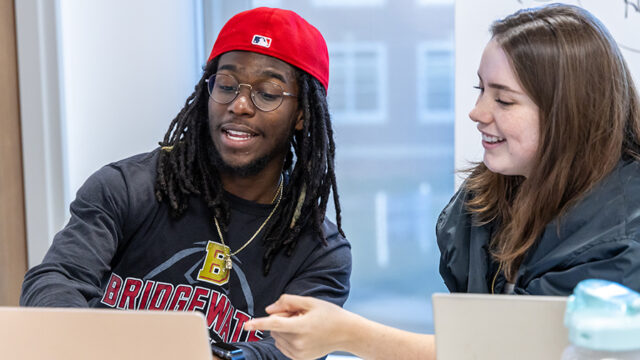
{"type": "Point", "coordinates": [603, 315]}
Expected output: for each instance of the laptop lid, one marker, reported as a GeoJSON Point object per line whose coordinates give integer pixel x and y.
{"type": "Point", "coordinates": [482, 326]}
{"type": "Point", "coordinates": [70, 334]}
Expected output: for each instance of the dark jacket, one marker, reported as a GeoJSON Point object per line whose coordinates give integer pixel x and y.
{"type": "Point", "coordinates": [599, 237]}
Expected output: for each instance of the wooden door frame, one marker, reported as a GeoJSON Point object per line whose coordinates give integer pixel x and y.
{"type": "Point", "coordinates": [13, 245]}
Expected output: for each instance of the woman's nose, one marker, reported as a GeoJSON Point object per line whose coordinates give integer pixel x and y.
{"type": "Point", "coordinates": [479, 113]}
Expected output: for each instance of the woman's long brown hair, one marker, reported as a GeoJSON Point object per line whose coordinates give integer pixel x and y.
{"type": "Point", "coordinates": [570, 66]}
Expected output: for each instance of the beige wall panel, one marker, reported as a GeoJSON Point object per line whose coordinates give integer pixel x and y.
{"type": "Point", "coordinates": [13, 256]}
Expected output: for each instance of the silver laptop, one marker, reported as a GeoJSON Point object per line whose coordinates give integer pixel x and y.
{"type": "Point", "coordinates": [483, 327]}
{"type": "Point", "coordinates": [70, 334]}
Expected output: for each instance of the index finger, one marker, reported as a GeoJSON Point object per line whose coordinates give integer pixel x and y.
{"type": "Point", "coordinates": [271, 323]}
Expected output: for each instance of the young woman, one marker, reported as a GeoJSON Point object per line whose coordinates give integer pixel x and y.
{"type": "Point", "coordinates": [555, 200]}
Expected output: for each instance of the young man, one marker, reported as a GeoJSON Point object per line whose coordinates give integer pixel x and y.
{"type": "Point", "coordinates": [222, 218]}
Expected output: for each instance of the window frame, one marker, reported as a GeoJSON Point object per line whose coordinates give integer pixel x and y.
{"type": "Point", "coordinates": [348, 3]}
{"type": "Point", "coordinates": [352, 115]}
{"type": "Point", "coordinates": [424, 114]}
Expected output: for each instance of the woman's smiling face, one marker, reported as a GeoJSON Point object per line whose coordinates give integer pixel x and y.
{"type": "Point", "coordinates": [506, 116]}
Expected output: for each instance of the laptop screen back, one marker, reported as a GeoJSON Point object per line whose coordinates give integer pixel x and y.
{"type": "Point", "coordinates": [70, 334]}
{"type": "Point", "coordinates": [480, 326]}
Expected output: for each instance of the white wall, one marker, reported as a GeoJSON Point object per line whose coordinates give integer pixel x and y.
{"type": "Point", "coordinates": [36, 32]}
{"type": "Point", "coordinates": [128, 68]}
{"type": "Point", "coordinates": [114, 74]}
{"type": "Point", "coordinates": [472, 21]}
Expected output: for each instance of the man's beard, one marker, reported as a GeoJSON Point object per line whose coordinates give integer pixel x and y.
{"type": "Point", "coordinates": [250, 169]}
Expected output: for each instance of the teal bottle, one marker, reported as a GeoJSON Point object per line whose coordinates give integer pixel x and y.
{"type": "Point", "coordinates": [603, 319]}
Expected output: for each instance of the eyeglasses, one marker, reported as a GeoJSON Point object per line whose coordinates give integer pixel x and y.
{"type": "Point", "coordinates": [265, 95]}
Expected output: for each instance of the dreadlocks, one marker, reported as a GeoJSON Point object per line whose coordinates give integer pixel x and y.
{"type": "Point", "coordinates": [185, 167]}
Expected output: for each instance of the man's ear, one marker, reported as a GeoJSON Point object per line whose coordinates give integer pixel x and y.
{"type": "Point", "coordinates": [299, 120]}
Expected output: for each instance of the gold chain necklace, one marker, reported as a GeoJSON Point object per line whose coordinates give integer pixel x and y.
{"type": "Point", "coordinates": [228, 264]}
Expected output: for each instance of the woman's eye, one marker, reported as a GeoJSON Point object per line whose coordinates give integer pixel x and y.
{"type": "Point", "coordinates": [505, 103]}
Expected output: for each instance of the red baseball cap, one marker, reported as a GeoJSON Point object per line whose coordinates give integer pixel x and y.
{"type": "Point", "coordinates": [280, 33]}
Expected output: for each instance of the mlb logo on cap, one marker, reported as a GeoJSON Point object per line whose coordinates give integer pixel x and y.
{"type": "Point", "coordinates": [261, 41]}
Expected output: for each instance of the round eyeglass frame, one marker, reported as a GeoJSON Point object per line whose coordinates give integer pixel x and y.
{"type": "Point", "coordinates": [211, 80]}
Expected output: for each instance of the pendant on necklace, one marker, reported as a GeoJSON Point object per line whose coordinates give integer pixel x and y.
{"type": "Point", "coordinates": [228, 264]}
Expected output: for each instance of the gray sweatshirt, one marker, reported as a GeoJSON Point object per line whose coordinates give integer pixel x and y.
{"type": "Point", "coordinates": [123, 250]}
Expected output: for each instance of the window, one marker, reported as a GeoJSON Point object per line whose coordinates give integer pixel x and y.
{"type": "Point", "coordinates": [357, 82]}
{"type": "Point", "coordinates": [435, 82]}
{"type": "Point", "coordinates": [267, 3]}
{"type": "Point", "coordinates": [434, 2]}
{"type": "Point", "coordinates": [341, 3]}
